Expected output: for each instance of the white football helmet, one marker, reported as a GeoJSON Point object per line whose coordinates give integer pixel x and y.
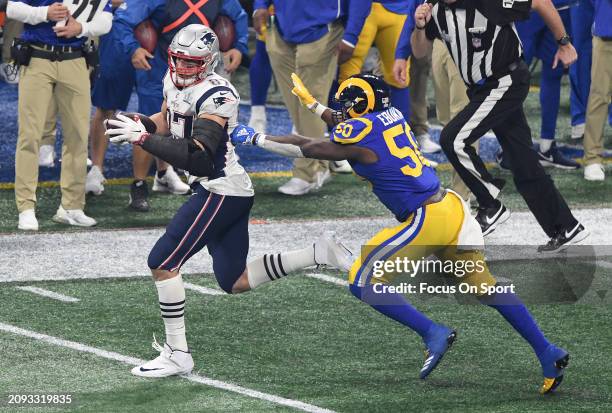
{"type": "Point", "coordinates": [192, 55]}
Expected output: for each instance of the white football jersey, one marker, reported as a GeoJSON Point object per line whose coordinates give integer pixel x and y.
{"type": "Point", "coordinates": [213, 96]}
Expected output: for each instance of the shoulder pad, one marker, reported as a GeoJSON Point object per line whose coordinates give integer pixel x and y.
{"type": "Point", "coordinates": [218, 100]}
{"type": "Point", "coordinates": [351, 131]}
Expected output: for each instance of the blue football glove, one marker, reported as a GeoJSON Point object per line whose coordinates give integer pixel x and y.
{"type": "Point", "coordinates": [244, 135]}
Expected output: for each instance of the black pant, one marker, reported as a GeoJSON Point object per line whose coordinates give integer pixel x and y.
{"type": "Point", "coordinates": [498, 105]}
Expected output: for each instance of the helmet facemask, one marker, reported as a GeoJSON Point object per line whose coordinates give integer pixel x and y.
{"type": "Point", "coordinates": [188, 70]}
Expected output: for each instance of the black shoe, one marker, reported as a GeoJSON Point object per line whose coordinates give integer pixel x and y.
{"type": "Point", "coordinates": [554, 157]}
{"type": "Point", "coordinates": [139, 192]}
{"type": "Point", "coordinates": [563, 239]}
{"type": "Point", "coordinates": [490, 217]}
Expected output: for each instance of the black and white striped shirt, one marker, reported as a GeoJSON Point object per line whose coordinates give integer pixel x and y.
{"type": "Point", "coordinates": [479, 34]}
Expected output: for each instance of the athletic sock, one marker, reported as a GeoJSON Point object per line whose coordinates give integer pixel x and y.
{"type": "Point", "coordinates": [272, 267]}
{"type": "Point", "coordinates": [545, 144]}
{"type": "Point", "coordinates": [172, 305]}
{"type": "Point", "coordinates": [394, 306]}
{"type": "Point", "coordinates": [160, 174]}
{"type": "Point", "coordinates": [515, 313]}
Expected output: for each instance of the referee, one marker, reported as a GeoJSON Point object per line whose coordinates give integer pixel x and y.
{"type": "Point", "coordinates": [481, 37]}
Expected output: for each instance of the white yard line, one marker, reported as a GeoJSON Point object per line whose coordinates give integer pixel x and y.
{"type": "Point", "coordinates": [202, 290]}
{"type": "Point", "coordinates": [604, 264]}
{"type": "Point", "coordinates": [329, 279]}
{"type": "Point", "coordinates": [109, 355]}
{"type": "Point", "coordinates": [49, 294]}
{"type": "Point", "coordinates": [111, 253]}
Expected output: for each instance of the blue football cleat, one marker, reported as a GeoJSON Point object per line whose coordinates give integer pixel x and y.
{"type": "Point", "coordinates": [438, 340]}
{"type": "Point", "coordinates": [554, 361]}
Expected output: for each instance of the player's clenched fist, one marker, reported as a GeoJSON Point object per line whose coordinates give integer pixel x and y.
{"type": "Point", "coordinates": [422, 15]}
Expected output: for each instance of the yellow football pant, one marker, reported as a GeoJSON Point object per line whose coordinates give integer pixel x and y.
{"type": "Point", "coordinates": [432, 229]}
{"type": "Point", "coordinates": [382, 28]}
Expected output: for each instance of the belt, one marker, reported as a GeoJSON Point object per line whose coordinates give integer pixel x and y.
{"type": "Point", "coordinates": [56, 56]}
{"type": "Point", "coordinates": [509, 69]}
{"type": "Point", "coordinates": [606, 38]}
{"type": "Point", "coordinates": [56, 48]}
{"type": "Point", "coordinates": [437, 197]}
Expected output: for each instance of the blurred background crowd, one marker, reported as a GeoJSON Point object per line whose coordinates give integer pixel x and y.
{"type": "Point", "coordinates": [263, 42]}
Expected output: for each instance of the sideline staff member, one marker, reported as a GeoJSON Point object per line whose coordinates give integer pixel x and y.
{"type": "Point", "coordinates": [52, 57]}
{"type": "Point", "coordinates": [483, 42]}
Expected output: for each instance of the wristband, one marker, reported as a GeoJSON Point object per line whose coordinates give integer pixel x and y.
{"type": "Point", "coordinates": [420, 28]}
{"type": "Point", "coordinates": [318, 109]}
{"type": "Point", "coordinates": [259, 139]}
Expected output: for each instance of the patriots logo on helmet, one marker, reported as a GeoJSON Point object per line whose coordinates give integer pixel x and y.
{"type": "Point", "coordinates": [208, 39]}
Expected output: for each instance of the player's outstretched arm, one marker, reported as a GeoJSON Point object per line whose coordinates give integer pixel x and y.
{"type": "Point", "coordinates": [296, 146]}
{"type": "Point", "coordinates": [194, 155]}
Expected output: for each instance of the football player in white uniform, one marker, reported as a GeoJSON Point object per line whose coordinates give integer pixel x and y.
{"type": "Point", "coordinates": [199, 110]}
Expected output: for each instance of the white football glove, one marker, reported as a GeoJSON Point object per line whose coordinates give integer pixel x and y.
{"type": "Point", "coordinates": [126, 130]}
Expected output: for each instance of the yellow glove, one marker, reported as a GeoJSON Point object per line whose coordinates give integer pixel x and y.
{"type": "Point", "coordinates": [299, 90]}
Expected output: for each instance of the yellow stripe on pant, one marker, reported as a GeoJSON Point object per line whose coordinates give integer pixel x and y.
{"type": "Point", "coordinates": [432, 229]}
{"type": "Point", "coordinates": [382, 28]}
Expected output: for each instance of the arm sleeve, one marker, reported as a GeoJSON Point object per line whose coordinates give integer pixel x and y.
{"type": "Point", "coordinates": [233, 10]}
{"type": "Point", "coordinates": [180, 153]}
{"type": "Point", "coordinates": [404, 49]}
{"type": "Point", "coordinates": [503, 12]}
{"type": "Point", "coordinates": [126, 19]}
{"type": "Point", "coordinates": [358, 11]}
{"type": "Point", "coordinates": [25, 13]}
{"type": "Point", "coordinates": [99, 25]}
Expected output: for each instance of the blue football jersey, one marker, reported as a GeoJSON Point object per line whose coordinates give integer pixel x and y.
{"type": "Point", "coordinates": [401, 178]}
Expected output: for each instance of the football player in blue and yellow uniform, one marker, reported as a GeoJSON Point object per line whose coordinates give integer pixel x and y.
{"type": "Point", "coordinates": [378, 143]}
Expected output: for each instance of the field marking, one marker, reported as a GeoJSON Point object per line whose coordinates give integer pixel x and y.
{"type": "Point", "coordinates": [49, 294]}
{"type": "Point", "coordinates": [329, 279]}
{"type": "Point", "coordinates": [604, 264]}
{"type": "Point", "coordinates": [110, 355]}
{"type": "Point", "coordinates": [202, 290]}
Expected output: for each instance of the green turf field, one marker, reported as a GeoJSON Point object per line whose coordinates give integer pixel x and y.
{"type": "Point", "coordinates": [344, 197]}
{"type": "Point", "coordinates": [298, 338]}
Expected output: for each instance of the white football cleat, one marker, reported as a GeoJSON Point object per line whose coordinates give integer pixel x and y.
{"type": "Point", "coordinates": [296, 187]}
{"type": "Point", "coordinates": [578, 131]}
{"type": "Point", "coordinates": [169, 363]}
{"type": "Point", "coordinates": [46, 156]}
{"type": "Point", "coordinates": [329, 251]}
{"type": "Point", "coordinates": [258, 119]}
{"type": "Point", "coordinates": [171, 183]}
{"type": "Point", "coordinates": [74, 217]}
{"type": "Point", "coordinates": [95, 181]}
{"type": "Point", "coordinates": [594, 172]}
{"type": "Point", "coordinates": [340, 167]}
{"type": "Point", "coordinates": [427, 145]}
{"type": "Point", "coordinates": [28, 221]}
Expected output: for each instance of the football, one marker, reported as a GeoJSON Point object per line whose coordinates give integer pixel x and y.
{"type": "Point", "coordinates": [146, 34]}
{"type": "Point", "coordinates": [225, 31]}
{"type": "Point", "coordinates": [146, 121]}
